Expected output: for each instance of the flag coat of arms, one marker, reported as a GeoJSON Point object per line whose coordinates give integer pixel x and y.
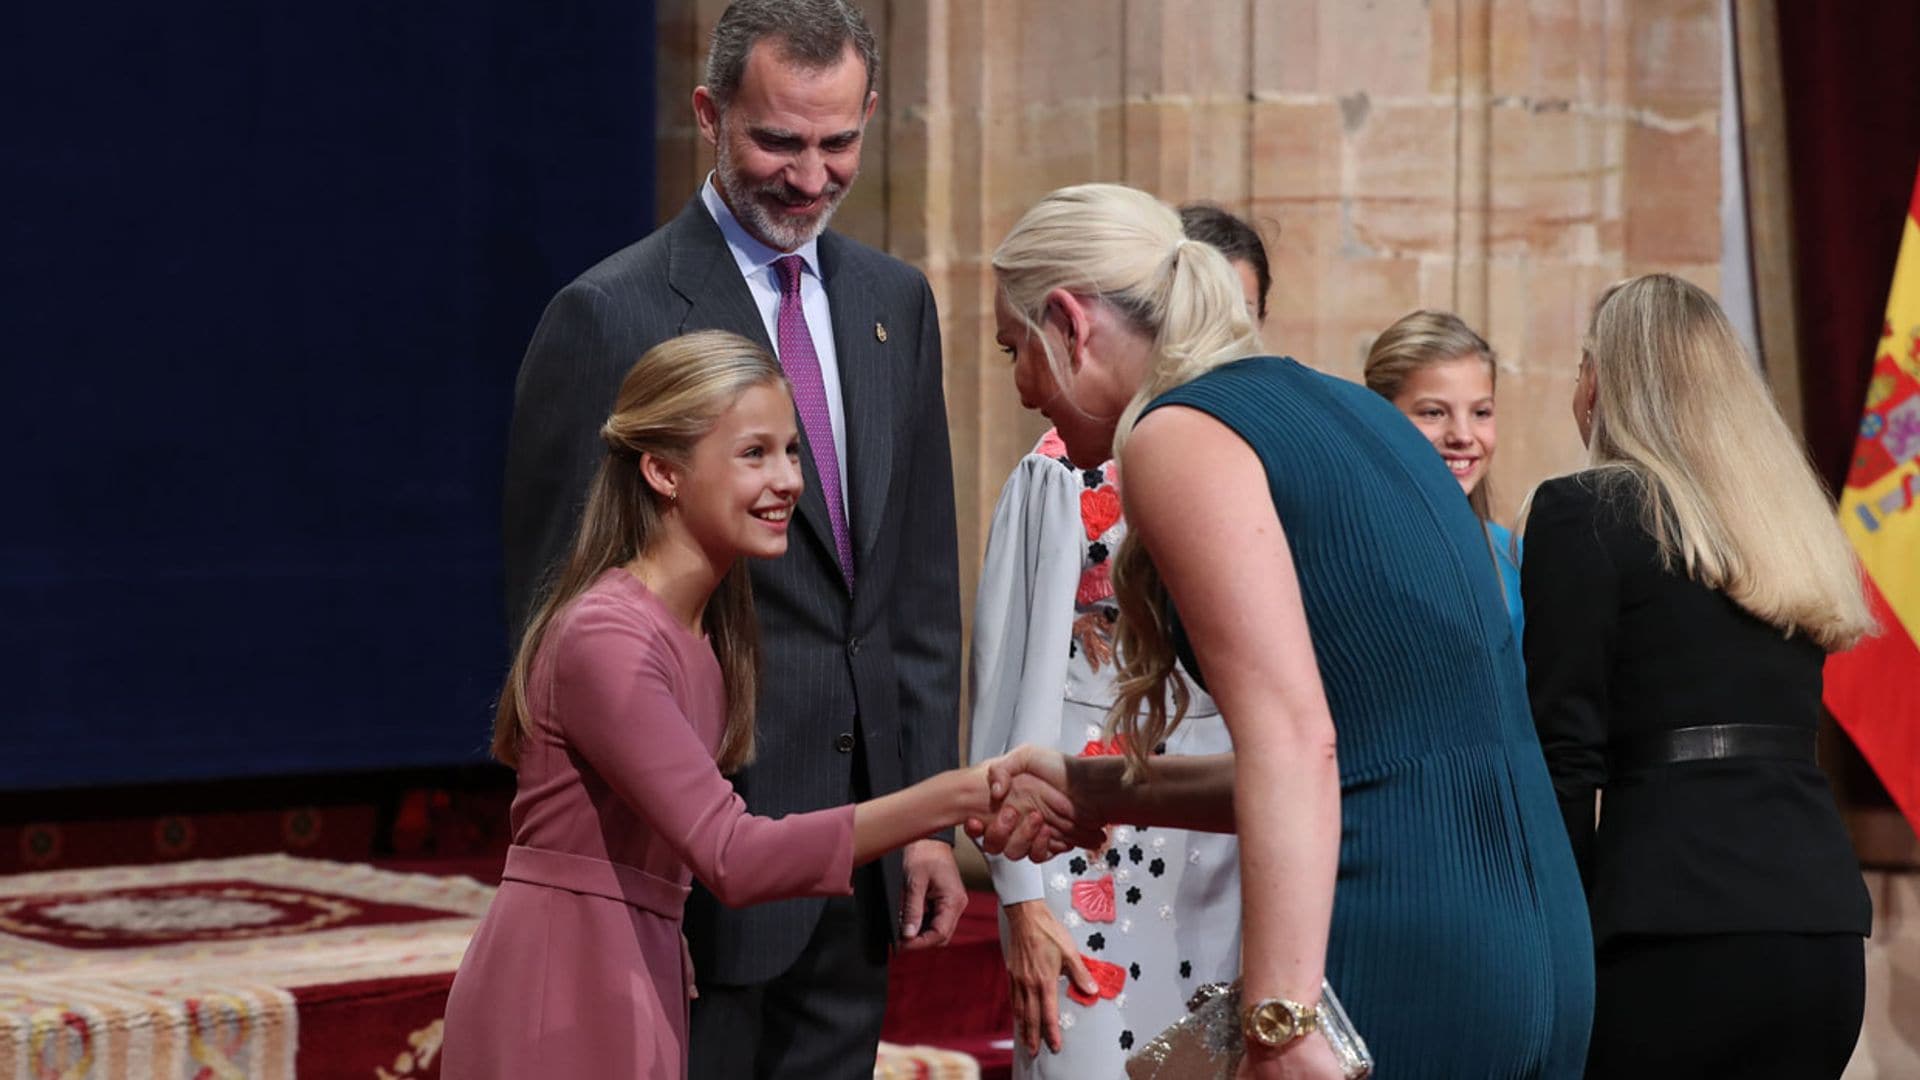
{"type": "Point", "coordinates": [1874, 688]}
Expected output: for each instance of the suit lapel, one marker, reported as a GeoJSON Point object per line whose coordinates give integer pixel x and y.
{"type": "Point", "coordinates": [866, 388]}
{"type": "Point", "coordinates": [702, 270]}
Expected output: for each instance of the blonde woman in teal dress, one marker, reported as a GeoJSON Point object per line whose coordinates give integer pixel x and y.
{"type": "Point", "coordinates": [1299, 547]}
{"type": "Point", "coordinates": [1155, 913]}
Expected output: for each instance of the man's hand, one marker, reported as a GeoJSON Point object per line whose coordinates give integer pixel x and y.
{"type": "Point", "coordinates": [1037, 817]}
{"type": "Point", "coordinates": [933, 894]}
{"type": "Point", "coordinates": [1039, 951]}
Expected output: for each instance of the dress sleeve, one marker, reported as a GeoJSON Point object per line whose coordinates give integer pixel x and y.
{"type": "Point", "coordinates": [1022, 624]}
{"type": "Point", "coordinates": [613, 703]}
{"type": "Point", "coordinates": [1570, 589]}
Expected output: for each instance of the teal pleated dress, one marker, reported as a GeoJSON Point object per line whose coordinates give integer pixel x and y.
{"type": "Point", "coordinates": [1460, 942]}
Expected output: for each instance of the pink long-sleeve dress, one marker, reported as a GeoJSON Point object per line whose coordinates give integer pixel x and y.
{"type": "Point", "coordinates": [577, 969]}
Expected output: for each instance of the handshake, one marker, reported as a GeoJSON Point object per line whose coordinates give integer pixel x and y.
{"type": "Point", "coordinates": [1044, 803]}
{"type": "Point", "coordinates": [1036, 814]}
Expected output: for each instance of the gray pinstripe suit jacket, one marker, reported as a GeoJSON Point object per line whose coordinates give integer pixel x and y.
{"type": "Point", "coordinates": [881, 664]}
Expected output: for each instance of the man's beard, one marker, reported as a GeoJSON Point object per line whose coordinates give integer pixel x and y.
{"type": "Point", "coordinates": [786, 232]}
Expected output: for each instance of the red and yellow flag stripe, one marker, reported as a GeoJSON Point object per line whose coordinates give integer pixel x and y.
{"type": "Point", "coordinates": [1874, 689]}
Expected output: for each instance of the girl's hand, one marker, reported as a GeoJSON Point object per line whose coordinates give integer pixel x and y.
{"type": "Point", "coordinates": [1035, 815]}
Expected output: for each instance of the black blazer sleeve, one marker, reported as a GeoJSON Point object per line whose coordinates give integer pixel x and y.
{"type": "Point", "coordinates": [565, 390]}
{"type": "Point", "coordinates": [925, 615]}
{"type": "Point", "coordinates": [1570, 588]}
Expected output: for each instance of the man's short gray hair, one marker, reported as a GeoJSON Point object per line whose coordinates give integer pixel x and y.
{"type": "Point", "coordinates": [812, 34]}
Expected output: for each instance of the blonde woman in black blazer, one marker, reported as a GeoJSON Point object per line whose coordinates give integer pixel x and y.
{"type": "Point", "coordinates": [1681, 596]}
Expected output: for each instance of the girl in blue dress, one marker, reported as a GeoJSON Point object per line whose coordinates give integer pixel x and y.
{"type": "Point", "coordinates": [1437, 371]}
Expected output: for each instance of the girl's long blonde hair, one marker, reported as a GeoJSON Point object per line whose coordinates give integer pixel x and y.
{"type": "Point", "coordinates": [1727, 490]}
{"type": "Point", "coordinates": [1125, 248]}
{"type": "Point", "coordinates": [668, 401]}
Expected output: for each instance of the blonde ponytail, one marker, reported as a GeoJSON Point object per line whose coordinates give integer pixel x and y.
{"type": "Point", "coordinates": [1126, 248]}
{"type": "Point", "coordinates": [1201, 323]}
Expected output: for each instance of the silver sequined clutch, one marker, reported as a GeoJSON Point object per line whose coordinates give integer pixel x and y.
{"type": "Point", "coordinates": [1206, 1044]}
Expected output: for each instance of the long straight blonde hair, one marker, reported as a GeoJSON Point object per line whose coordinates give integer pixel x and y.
{"type": "Point", "coordinates": [1126, 248]}
{"type": "Point", "coordinates": [668, 401]}
{"type": "Point", "coordinates": [1727, 490]}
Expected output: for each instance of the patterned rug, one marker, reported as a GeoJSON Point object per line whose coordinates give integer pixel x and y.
{"type": "Point", "coordinates": [264, 967]}
{"type": "Point", "coordinates": [923, 1063]}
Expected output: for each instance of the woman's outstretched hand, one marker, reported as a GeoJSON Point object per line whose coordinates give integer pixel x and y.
{"type": "Point", "coordinates": [1035, 814]}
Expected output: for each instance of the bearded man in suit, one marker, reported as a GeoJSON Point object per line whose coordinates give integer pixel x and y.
{"type": "Point", "coordinates": [859, 621]}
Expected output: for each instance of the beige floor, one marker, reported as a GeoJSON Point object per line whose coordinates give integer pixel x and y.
{"type": "Point", "coordinates": [1890, 1043]}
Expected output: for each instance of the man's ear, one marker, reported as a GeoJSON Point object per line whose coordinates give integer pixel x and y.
{"type": "Point", "coordinates": [706, 112]}
{"type": "Point", "coordinates": [873, 98]}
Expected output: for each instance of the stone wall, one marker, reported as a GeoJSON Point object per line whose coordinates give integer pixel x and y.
{"type": "Point", "coordinates": [1502, 158]}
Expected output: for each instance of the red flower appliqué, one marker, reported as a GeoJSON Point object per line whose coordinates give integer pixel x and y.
{"type": "Point", "coordinates": [1110, 978]}
{"type": "Point", "coordinates": [1099, 509]}
{"type": "Point", "coordinates": [1094, 899]}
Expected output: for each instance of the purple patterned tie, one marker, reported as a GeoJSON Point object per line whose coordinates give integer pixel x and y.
{"type": "Point", "coordinates": [802, 365]}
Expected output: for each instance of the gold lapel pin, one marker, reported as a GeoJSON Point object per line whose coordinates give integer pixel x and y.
{"type": "Point", "coordinates": [880, 332]}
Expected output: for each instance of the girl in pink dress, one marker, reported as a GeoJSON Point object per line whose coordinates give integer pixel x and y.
{"type": "Point", "coordinates": [632, 693]}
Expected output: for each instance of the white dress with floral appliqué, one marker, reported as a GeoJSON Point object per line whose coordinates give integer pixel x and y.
{"type": "Point", "coordinates": [1156, 914]}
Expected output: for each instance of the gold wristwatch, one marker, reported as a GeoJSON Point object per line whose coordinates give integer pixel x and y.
{"type": "Point", "coordinates": [1275, 1022]}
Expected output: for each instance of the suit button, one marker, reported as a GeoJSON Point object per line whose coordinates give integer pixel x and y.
{"type": "Point", "coordinates": [843, 742]}
{"type": "Point", "coordinates": [853, 646]}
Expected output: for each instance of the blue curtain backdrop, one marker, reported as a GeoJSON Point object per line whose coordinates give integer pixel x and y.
{"type": "Point", "coordinates": [268, 273]}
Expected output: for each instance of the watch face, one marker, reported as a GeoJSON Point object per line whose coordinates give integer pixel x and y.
{"type": "Point", "coordinates": [1271, 1022]}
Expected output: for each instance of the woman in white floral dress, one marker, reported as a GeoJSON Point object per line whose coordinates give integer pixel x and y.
{"type": "Point", "coordinates": [1156, 913]}
{"type": "Point", "coordinates": [1103, 947]}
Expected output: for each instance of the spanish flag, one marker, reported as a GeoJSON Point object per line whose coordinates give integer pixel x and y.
{"type": "Point", "coordinates": [1874, 688]}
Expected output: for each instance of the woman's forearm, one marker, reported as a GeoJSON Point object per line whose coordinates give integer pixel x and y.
{"type": "Point", "coordinates": [1181, 791]}
{"type": "Point", "coordinates": [1289, 813]}
{"type": "Point", "coordinates": [898, 818]}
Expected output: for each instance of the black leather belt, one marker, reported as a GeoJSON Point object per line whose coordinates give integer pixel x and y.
{"type": "Point", "coordinates": [1711, 742]}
